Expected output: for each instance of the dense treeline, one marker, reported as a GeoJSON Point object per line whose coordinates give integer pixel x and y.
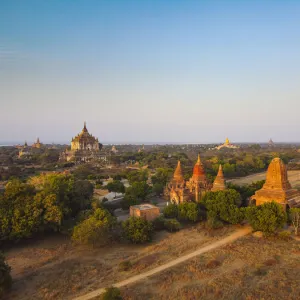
{"type": "Point", "coordinates": [41, 204]}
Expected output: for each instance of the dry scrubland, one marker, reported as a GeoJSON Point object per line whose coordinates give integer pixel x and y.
{"type": "Point", "coordinates": [294, 178]}
{"type": "Point", "coordinates": [54, 269]}
{"type": "Point", "coordinates": [250, 268]}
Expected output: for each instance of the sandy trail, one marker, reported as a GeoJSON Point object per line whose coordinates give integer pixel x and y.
{"type": "Point", "coordinates": [229, 239]}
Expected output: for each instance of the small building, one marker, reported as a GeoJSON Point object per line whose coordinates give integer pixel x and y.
{"type": "Point", "coordinates": [146, 211]}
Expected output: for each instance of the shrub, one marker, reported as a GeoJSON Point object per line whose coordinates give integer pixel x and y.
{"type": "Point", "coordinates": [97, 230]}
{"type": "Point", "coordinates": [214, 223]}
{"type": "Point", "coordinates": [125, 265]}
{"type": "Point", "coordinates": [267, 217]}
{"type": "Point", "coordinates": [137, 230]}
{"type": "Point", "coordinates": [111, 293]}
{"type": "Point", "coordinates": [260, 271]}
{"type": "Point", "coordinates": [128, 201]}
{"type": "Point", "coordinates": [5, 278]}
{"type": "Point", "coordinates": [284, 235]}
{"type": "Point", "coordinates": [188, 211]}
{"type": "Point", "coordinates": [158, 223]}
{"type": "Point", "coordinates": [171, 211]}
{"type": "Point", "coordinates": [172, 225]}
{"type": "Point", "coordinates": [213, 264]}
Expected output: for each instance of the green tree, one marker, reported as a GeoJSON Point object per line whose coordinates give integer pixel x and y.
{"type": "Point", "coordinates": [139, 190]}
{"type": "Point", "coordinates": [97, 230]}
{"type": "Point", "coordinates": [172, 225]}
{"type": "Point", "coordinates": [162, 176]}
{"type": "Point", "coordinates": [111, 293]}
{"type": "Point", "coordinates": [116, 186]}
{"type": "Point", "coordinates": [5, 278]}
{"type": "Point", "coordinates": [19, 214]}
{"type": "Point", "coordinates": [129, 200]}
{"type": "Point", "coordinates": [295, 218]}
{"type": "Point", "coordinates": [188, 211]}
{"type": "Point", "coordinates": [158, 188]}
{"type": "Point", "coordinates": [137, 230]}
{"type": "Point", "coordinates": [267, 217]}
{"type": "Point", "coordinates": [224, 205]}
{"type": "Point", "coordinates": [171, 211]}
{"type": "Point", "coordinates": [137, 176]}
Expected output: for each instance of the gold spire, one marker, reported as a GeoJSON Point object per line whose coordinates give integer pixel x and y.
{"type": "Point", "coordinates": [199, 159]}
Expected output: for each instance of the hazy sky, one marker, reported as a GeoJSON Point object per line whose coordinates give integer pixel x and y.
{"type": "Point", "coordinates": [150, 71]}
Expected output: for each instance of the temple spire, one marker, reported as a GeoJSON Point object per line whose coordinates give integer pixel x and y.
{"type": "Point", "coordinates": [199, 159]}
{"type": "Point", "coordinates": [84, 127]}
{"type": "Point", "coordinates": [219, 183]}
{"type": "Point", "coordinates": [178, 172]}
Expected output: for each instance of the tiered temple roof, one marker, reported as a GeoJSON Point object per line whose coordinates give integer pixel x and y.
{"type": "Point", "coordinates": [84, 141]}
{"type": "Point", "coordinates": [277, 187]}
{"type": "Point", "coordinates": [178, 177]}
{"type": "Point", "coordinates": [198, 171]}
{"type": "Point", "coordinates": [219, 183]}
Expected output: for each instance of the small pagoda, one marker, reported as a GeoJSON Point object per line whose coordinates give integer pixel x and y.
{"type": "Point", "coordinates": [219, 183]}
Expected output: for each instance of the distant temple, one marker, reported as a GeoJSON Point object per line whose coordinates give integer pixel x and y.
{"type": "Point", "coordinates": [227, 144]}
{"type": "Point", "coordinates": [178, 190]}
{"type": "Point", "coordinates": [84, 148]}
{"type": "Point", "coordinates": [114, 150]}
{"type": "Point", "coordinates": [37, 144]}
{"type": "Point", "coordinates": [26, 151]}
{"type": "Point", "coordinates": [271, 143]}
{"type": "Point", "coordinates": [277, 187]}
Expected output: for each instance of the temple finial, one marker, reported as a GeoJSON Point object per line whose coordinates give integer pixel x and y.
{"type": "Point", "coordinates": [199, 159]}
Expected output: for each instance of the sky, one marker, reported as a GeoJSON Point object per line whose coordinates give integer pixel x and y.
{"type": "Point", "coordinates": [150, 71]}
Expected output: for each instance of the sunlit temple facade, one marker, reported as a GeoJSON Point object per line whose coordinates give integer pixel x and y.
{"type": "Point", "coordinates": [277, 187]}
{"type": "Point", "coordinates": [178, 190]}
{"type": "Point", "coordinates": [84, 148]}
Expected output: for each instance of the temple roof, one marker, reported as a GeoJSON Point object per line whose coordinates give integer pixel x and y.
{"type": "Point", "coordinates": [178, 173]}
{"type": "Point", "coordinates": [277, 177]}
{"type": "Point", "coordinates": [219, 182]}
{"type": "Point", "coordinates": [198, 171]}
{"type": "Point", "coordinates": [84, 135]}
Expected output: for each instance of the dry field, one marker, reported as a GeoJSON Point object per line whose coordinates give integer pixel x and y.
{"type": "Point", "coordinates": [54, 269]}
{"type": "Point", "coordinates": [251, 268]}
{"type": "Point", "coordinates": [294, 178]}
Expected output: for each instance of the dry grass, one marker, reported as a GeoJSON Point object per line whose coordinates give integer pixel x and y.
{"type": "Point", "coordinates": [54, 269]}
{"type": "Point", "coordinates": [294, 178]}
{"type": "Point", "coordinates": [249, 269]}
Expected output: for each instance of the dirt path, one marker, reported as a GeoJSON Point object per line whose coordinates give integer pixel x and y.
{"type": "Point", "coordinates": [231, 238]}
